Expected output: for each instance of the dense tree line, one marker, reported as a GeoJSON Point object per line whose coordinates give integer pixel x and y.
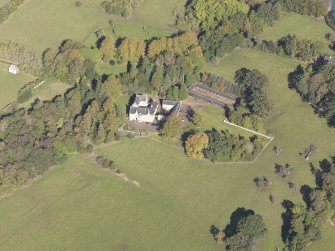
{"type": "Point", "coordinates": [123, 8]}
{"type": "Point", "coordinates": [167, 74]}
{"type": "Point", "coordinates": [303, 223]}
{"type": "Point", "coordinates": [253, 89]}
{"type": "Point", "coordinates": [27, 60]}
{"type": "Point", "coordinates": [302, 49]}
{"type": "Point", "coordinates": [224, 146]}
{"type": "Point", "coordinates": [226, 24]}
{"type": "Point", "coordinates": [9, 8]}
{"type": "Point", "coordinates": [314, 8]}
{"type": "Point", "coordinates": [34, 139]}
{"type": "Point", "coordinates": [316, 85]}
{"type": "Point", "coordinates": [71, 62]}
{"type": "Point", "coordinates": [218, 83]}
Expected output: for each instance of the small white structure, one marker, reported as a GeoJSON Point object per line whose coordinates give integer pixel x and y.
{"type": "Point", "coordinates": [14, 69]}
{"type": "Point", "coordinates": [143, 109]}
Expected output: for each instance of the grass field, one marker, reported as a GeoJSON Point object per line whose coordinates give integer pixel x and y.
{"type": "Point", "coordinates": [41, 24]}
{"type": "Point", "coordinates": [10, 84]}
{"type": "Point", "coordinates": [77, 206]}
{"type": "Point", "coordinates": [160, 12]}
{"type": "Point", "coordinates": [302, 26]}
{"type": "Point", "coordinates": [47, 91]}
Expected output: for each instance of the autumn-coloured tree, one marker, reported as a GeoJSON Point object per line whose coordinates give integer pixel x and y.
{"type": "Point", "coordinates": [195, 144]}
{"type": "Point", "coordinates": [107, 49]}
{"type": "Point", "coordinates": [172, 126]}
{"type": "Point", "coordinates": [131, 49]}
{"type": "Point", "coordinates": [111, 88]}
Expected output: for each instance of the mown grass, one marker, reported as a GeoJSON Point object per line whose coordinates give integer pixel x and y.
{"type": "Point", "coordinates": [47, 91]}
{"type": "Point", "coordinates": [213, 117]}
{"type": "Point", "coordinates": [306, 27]}
{"type": "Point", "coordinates": [77, 206]}
{"type": "Point", "coordinates": [42, 24]}
{"type": "Point", "coordinates": [158, 13]}
{"type": "Point", "coordinates": [10, 84]}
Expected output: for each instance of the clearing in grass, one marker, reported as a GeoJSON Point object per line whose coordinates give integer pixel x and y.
{"type": "Point", "coordinates": [10, 84]}
{"type": "Point", "coordinates": [304, 27]}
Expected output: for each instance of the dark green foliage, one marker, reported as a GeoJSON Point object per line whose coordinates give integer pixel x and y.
{"type": "Point", "coordinates": [122, 8]}
{"type": "Point", "coordinates": [224, 146]}
{"type": "Point", "coordinates": [253, 85]}
{"type": "Point", "coordinates": [183, 93]}
{"type": "Point", "coordinates": [244, 230]}
{"type": "Point", "coordinates": [301, 228]}
{"type": "Point", "coordinates": [268, 12]}
{"type": "Point", "coordinates": [225, 25]}
{"type": "Point", "coordinates": [217, 44]}
{"type": "Point", "coordinates": [218, 83]}
{"type": "Point", "coordinates": [32, 140]}
{"type": "Point", "coordinates": [241, 116]}
{"type": "Point", "coordinates": [162, 75]}
{"type": "Point", "coordinates": [314, 8]}
{"type": "Point", "coordinates": [9, 8]}
{"type": "Point", "coordinates": [24, 95]}
{"type": "Point", "coordinates": [317, 87]}
{"type": "Point", "coordinates": [303, 223]}
{"type": "Point", "coordinates": [292, 46]}
{"type": "Point", "coordinates": [72, 62]}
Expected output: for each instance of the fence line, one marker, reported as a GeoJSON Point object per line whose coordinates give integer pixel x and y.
{"type": "Point", "coordinates": [246, 129]}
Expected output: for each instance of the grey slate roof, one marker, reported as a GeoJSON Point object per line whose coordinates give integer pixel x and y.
{"type": "Point", "coordinates": [140, 98]}
{"type": "Point", "coordinates": [169, 102]}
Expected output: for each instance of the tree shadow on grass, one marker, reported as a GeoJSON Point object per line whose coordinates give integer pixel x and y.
{"type": "Point", "coordinates": [239, 213]}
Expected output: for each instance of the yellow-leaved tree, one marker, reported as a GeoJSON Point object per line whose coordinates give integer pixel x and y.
{"type": "Point", "coordinates": [195, 145]}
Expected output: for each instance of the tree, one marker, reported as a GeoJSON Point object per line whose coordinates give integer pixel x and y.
{"type": "Point", "coordinates": [262, 183]}
{"type": "Point", "coordinates": [284, 171]}
{"type": "Point", "coordinates": [244, 230]}
{"type": "Point", "coordinates": [175, 92]}
{"type": "Point", "coordinates": [107, 49]}
{"type": "Point", "coordinates": [183, 92]}
{"type": "Point", "coordinates": [195, 144]}
{"type": "Point", "coordinates": [110, 88]}
{"type": "Point", "coordinates": [309, 151]}
{"type": "Point", "coordinates": [197, 118]}
{"type": "Point", "coordinates": [131, 50]}
{"type": "Point", "coordinates": [253, 83]}
{"type": "Point", "coordinates": [172, 126]}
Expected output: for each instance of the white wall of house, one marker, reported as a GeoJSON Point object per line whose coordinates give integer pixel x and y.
{"type": "Point", "coordinates": [167, 108]}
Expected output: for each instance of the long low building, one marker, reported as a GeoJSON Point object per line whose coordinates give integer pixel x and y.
{"type": "Point", "coordinates": [212, 96]}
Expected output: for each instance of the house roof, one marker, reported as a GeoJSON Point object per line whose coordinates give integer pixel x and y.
{"type": "Point", "coordinates": [176, 108]}
{"type": "Point", "coordinates": [143, 110]}
{"type": "Point", "coordinates": [169, 102]}
{"type": "Point", "coordinates": [140, 98]}
{"type": "Point", "coordinates": [14, 67]}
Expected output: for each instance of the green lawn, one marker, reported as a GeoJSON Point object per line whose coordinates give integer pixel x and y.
{"type": "Point", "coordinates": [104, 68]}
{"type": "Point", "coordinates": [160, 12]}
{"type": "Point", "coordinates": [10, 84]}
{"type": "Point", "coordinates": [47, 91]}
{"type": "Point", "coordinates": [41, 24]}
{"type": "Point", "coordinates": [77, 206]}
{"type": "Point", "coordinates": [213, 117]}
{"type": "Point", "coordinates": [302, 26]}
